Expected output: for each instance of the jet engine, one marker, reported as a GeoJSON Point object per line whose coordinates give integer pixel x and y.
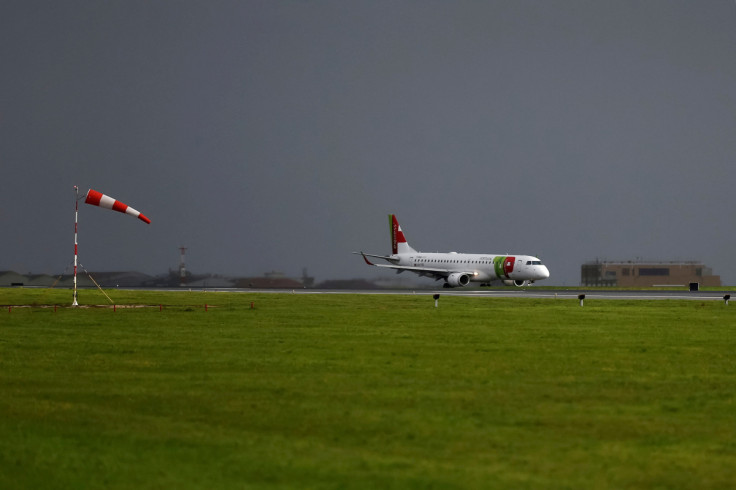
{"type": "Point", "coordinates": [458, 279]}
{"type": "Point", "coordinates": [515, 282]}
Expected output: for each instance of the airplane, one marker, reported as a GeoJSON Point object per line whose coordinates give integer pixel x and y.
{"type": "Point", "coordinates": [459, 269]}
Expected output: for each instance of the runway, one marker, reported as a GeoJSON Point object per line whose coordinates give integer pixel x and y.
{"type": "Point", "coordinates": [618, 295]}
{"type": "Point", "coordinates": [514, 293]}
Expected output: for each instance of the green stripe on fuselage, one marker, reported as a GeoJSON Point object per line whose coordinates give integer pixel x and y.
{"type": "Point", "coordinates": [498, 266]}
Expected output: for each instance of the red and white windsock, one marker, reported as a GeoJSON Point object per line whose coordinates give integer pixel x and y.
{"type": "Point", "coordinates": [99, 199]}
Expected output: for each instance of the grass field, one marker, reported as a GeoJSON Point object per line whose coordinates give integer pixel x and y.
{"type": "Point", "coordinates": [353, 391]}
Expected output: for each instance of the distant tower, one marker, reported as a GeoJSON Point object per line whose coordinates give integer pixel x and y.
{"type": "Point", "coordinates": [307, 281]}
{"type": "Point", "coordinates": [182, 267]}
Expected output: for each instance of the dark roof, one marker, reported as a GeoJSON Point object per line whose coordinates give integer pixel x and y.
{"type": "Point", "coordinates": [268, 283]}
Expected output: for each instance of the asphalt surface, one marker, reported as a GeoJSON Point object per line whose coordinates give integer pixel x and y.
{"type": "Point", "coordinates": [515, 293]}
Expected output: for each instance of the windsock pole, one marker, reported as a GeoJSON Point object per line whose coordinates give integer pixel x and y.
{"type": "Point", "coordinates": [76, 220]}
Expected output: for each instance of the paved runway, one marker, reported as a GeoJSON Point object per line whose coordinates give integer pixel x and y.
{"type": "Point", "coordinates": [515, 293]}
{"type": "Point", "coordinates": [598, 294]}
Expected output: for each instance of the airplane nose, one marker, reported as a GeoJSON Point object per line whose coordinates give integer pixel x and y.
{"type": "Point", "coordinates": [541, 272]}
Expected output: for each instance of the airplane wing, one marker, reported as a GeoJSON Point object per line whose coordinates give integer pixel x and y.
{"type": "Point", "coordinates": [422, 271]}
{"type": "Point", "coordinates": [384, 257]}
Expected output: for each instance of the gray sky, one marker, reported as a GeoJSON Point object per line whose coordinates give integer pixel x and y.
{"type": "Point", "coordinates": [277, 135]}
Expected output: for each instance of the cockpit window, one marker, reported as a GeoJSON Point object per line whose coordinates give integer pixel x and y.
{"type": "Point", "coordinates": [533, 262]}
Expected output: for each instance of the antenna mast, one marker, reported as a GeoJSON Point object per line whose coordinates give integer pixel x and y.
{"type": "Point", "coordinates": [76, 221]}
{"type": "Point", "coordinates": [182, 267]}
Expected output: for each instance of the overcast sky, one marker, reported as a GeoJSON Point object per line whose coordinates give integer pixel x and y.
{"type": "Point", "coordinates": [277, 135]}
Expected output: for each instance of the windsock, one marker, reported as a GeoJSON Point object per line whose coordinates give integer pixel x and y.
{"type": "Point", "coordinates": [99, 199]}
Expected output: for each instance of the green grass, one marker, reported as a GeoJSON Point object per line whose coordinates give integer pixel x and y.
{"type": "Point", "coordinates": [352, 391]}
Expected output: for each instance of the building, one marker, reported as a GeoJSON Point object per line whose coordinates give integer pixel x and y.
{"type": "Point", "coordinates": [646, 274]}
{"type": "Point", "coordinates": [10, 278]}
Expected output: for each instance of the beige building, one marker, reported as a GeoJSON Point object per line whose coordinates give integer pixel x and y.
{"type": "Point", "coordinates": [647, 274]}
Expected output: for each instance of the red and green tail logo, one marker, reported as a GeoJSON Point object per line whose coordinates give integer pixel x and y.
{"type": "Point", "coordinates": [397, 236]}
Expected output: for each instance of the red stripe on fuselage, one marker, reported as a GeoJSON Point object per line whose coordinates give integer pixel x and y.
{"type": "Point", "coordinates": [508, 265]}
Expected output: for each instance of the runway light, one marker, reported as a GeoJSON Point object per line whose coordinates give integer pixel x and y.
{"type": "Point", "coordinates": [726, 298]}
{"type": "Point", "coordinates": [581, 297]}
{"type": "Point", "coordinates": [436, 300]}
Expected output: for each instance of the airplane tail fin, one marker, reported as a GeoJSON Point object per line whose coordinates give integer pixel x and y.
{"type": "Point", "coordinates": [399, 244]}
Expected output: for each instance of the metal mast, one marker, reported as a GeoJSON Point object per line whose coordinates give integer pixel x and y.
{"type": "Point", "coordinates": [76, 221]}
{"type": "Point", "coordinates": [182, 267]}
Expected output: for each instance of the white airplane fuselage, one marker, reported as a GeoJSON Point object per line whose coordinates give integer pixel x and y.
{"type": "Point", "coordinates": [459, 269]}
{"type": "Point", "coordinates": [482, 267]}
